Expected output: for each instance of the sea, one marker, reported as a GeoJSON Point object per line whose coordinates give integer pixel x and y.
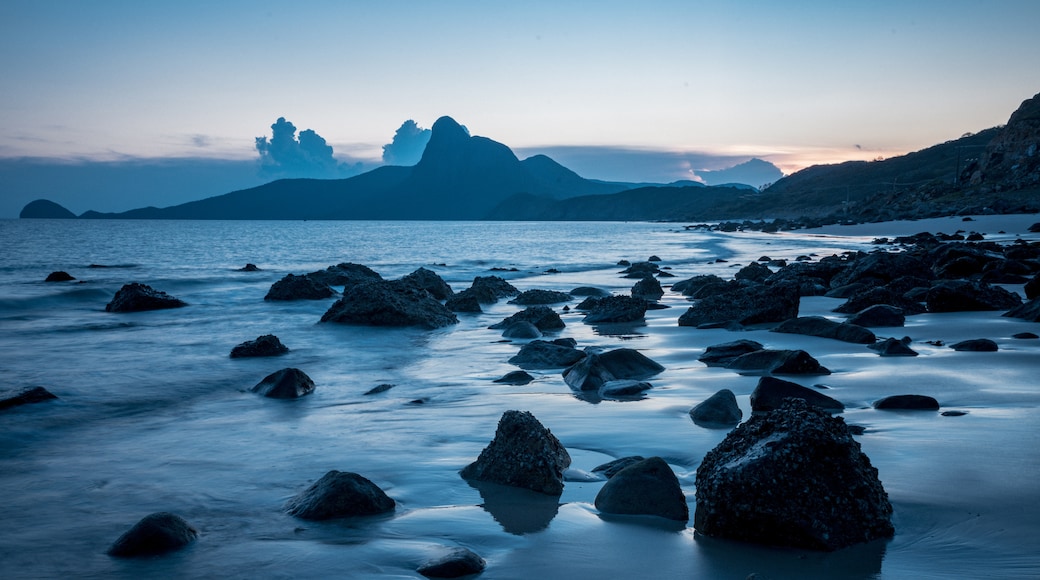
{"type": "Point", "coordinates": [153, 415]}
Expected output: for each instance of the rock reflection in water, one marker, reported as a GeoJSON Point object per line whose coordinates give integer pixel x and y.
{"type": "Point", "coordinates": [519, 511]}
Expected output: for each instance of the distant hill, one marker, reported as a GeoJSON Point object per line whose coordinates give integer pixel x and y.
{"type": "Point", "coordinates": [43, 208]}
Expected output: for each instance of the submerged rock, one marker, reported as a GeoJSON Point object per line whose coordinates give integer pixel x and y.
{"type": "Point", "coordinates": [624, 388]}
{"type": "Point", "coordinates": [156, 533]}
{"type": "Point", "coordinates": [907, 402]}
{"type": "Point", "coordinates": [771, 392]}
{"type": "Point", "coordinates": [595, 370]}
{"type": "Point", "coordinates": [724, 353]}
{"type": "Point", "coordinates": [975, 345]}
{"type": "Point", "coordinates": [59, 276]}
{"type": "Point", "coordinates": [792, 477]}
{"type": "Point", "coordinates": [824, 328]}
{"type": "Point", "coordinates": [389, 304]}
{"type": "Point", "coordinates": [780, 362]}
{"type": "Point", "coordinates": [523, 454]}
{"type": "Point", "coordinates": [718, 410]}
{"type": "Point", "coordinates": [288, 383]}
{"type": "Point", "coordinates": [515, 378]}
{"type": "Point", "coordinates": [647, 487]}
{"type": "Point", "coordinates": [293, 287]}
{"type": "Point", "coordinates": [134, 297]}
{"type": "Point", "coordinates": [455, 564]}
{"type": "Point", "coordinates": [27, 396]}
{"type": "Point", "coordinates": [266, 345]}
{"type": "Point", "coordinates": [340, 494]}
{"type": "Point", "coordinates": [541, 354]}
{"type": "Point", "coordinates": [892, 347]}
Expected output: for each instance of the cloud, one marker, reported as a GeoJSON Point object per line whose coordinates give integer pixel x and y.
{"type": "Point", "coordinates": [635, 165]}
{"type": "Point", "coordinates": [285, 155]}
{"type": "Point", "coordinates": [408, 145]}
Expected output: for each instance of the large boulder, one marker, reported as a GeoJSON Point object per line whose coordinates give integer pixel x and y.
{"type": "Point", "coordinates": [647, 487]}
{"type": "Point", "coordinates": [825, 328]}
{"type": "Point", "coordinates": [749, 305]}
{"type": "Point", "coordinates": [26, 396]}
{"type": "Point", "coordinates": [287, 383]}
{"type": "Point", "coordinates": [880, 268]}
{"type": "Point", "coordinates": [423, 279]}
{"type": "Point", "coordinates": [543, 317]}
{"type": "Point", "coordinates": [156, 533]}
{"type": "Point", "coordinates": [266, 345]}
{"type": "Point", "coordinates": [691, 286]}
{"type": "Point", "coordinates": [537, 297]}
{"type": "Point", "coordinates": [792, 477]}
{"type": "Point", "coordinates": [726, 352]}
{"type": "Point", "coordinates": [339, 494]}
{"type": "Point", "coordinates": [718, 410]}
{"type": "Point", "coordinates": [770, 393]}
{"type": "Point", "coordinates": [541, 354]}
{"type": "Point", "coordinates": [523, 454]}
{"type": "Point", "coordinates": [345, 274]}
{"type": "Point", "coordinates": [135, 297]}
{"type": "Point", "coordinates": [878, 315]}
{"type": "Point", "coordinates": [648, 289]}
{"type": "Point", "coordinates": [778, 362]}
{"type": "Point", "coordinates": [595, 370]}
{"type": "Point", "coordinates": [754, 272]}
{"type": "Point", "coordinates": [389, 304]}
{"type": "Point", "coordinates": [615, 309]}
{"type": "Point", "coordinates": [293, 287]}
{"type": "Point", "coordinates": [962, 296]}
{"type": "Point", "coordinates": [455, 564]}
{"type": "Point", "coordinates": [491, 289]}
{"type": "Point", "coordinates": [1032, 287]}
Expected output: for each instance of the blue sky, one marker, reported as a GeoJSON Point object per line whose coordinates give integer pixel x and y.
{"type": "Point", "coordinates": [794, 82]}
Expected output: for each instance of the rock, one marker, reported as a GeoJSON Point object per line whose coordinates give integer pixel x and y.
{"type": "Point", "coordinates": [389, 304]}
{"type": "Point", "coordinates": [423, 279]}
{"type": "Point", "coordinates": [648, 487]}
{"type": "Point", "coordinates": [490, 289]}
{"type": "Point", "coordinates": [907, 402]}
{"type": "Point", "coordinates": [691, 286]}
{"type": "Point", "coordinates": [879, 268]}
{"type": "Point", "coordinates": [1025, 335]}
{"type": "Point", "coordinates": [134, 297]}
{"type": "Point", "coordinates": [465, 301]}
{"type": "Point", "coordinates": [293, 287]}
{"type": "Point", "coordinates": [755, 271]}
{"type": "Point", "coordinates": [156, 533]}
{"type": "Point", "coordinates": [339, 494]}
{"type": "Point", "coordinates": [59, 276]}
{"type": "Point", "coordinates": [648, 289]}
{"type": "Point", "coordinates": [249, 268]}
{"type": "Point", "coordinates": [515, 378]}
{"type": "Point", "coordinates": [589, 291]}
{"type": "Point", "coordinates": [878, 315]}
{"type": "Point", "coordinates": [45, 209]}
{"type": "Point", "coordinates": [522, 329]}
{"type": "Point", "coordinates": [1032, 287]}
{"type": "Point", "coordinates": [266, 345]}
{"type": "Point", "coordinates": [771, 392]}
{"type": "Point", "coordinates": [624, 388]}
{"type": "Point", "coordinates": [824, 328]}
{"type": "Point", "coordinates": [1029, 311]}
{"type": "Point", "coordinates": [881, 295]}
{"type": "Point", "coordinates": [975, 345]}
{"type": "Point", "coordinates": [288, 383]}
{"type": "Point", "coordinates": [616, 309]}
{"type": "Point", "coordinates": [379, 389]}
{"type": "Point", "coordinates": [718, 410]}
{"type": "Point", "coordinates": [725, 353]}
{"type": "Point", "coordinates": [523, 454]}
{"type": "Point", "coordinates": [535, 297]}
{"type": "Point", "coordinates": [541, 316]}
{"type": "Point", "coordinates": [792, 477]}
{"type": "Point", "coordinates": [26, 396]}
{"type": "Point", "coordinates": [751, 305]}
{"type": "Point", "coordinates": [641, 270]}
{"type": "Point", "coordinates": [963, 296]}
{"type": "Point", "coordinates": [541, 354]}
{"type": "Point", "coordinates": [457, 563]}
{"type": "Point", "coordinates": [780, 362]}
{"type": "Point", "coordinates": [892, 347]}
{"type": "Point", "coordinates": [653, 258]}
{"type": "Point", "coordinates": [611, 468]}
{"type": "Point", "coordinates": [595, 370]}
{"type": "Point", "coordinates": [345, 274]}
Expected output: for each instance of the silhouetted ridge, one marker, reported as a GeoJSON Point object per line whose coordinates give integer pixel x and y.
{"type": "Point", "coordinates": [45, 209]}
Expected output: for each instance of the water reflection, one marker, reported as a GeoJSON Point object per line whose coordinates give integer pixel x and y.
{"type": "Point", "coordinates": [519, 511]}
{"type": "Point", "coordinates": [732, 559]}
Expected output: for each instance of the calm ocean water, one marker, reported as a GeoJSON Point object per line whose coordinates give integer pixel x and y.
{"type": "Point", "coordinates": [154, 416]}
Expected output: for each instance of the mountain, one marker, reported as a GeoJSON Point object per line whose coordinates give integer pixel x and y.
{"type": "Point", "coordinates": [754, 171]}
{"type": "Point", "coordinates": [43, 208]}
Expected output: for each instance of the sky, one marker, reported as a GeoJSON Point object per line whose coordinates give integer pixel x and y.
{"type": "Point", "coordinates": [699, 84]}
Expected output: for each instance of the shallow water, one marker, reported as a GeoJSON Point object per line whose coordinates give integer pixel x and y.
{"type": "Point", "coordinates": [154, 416]}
